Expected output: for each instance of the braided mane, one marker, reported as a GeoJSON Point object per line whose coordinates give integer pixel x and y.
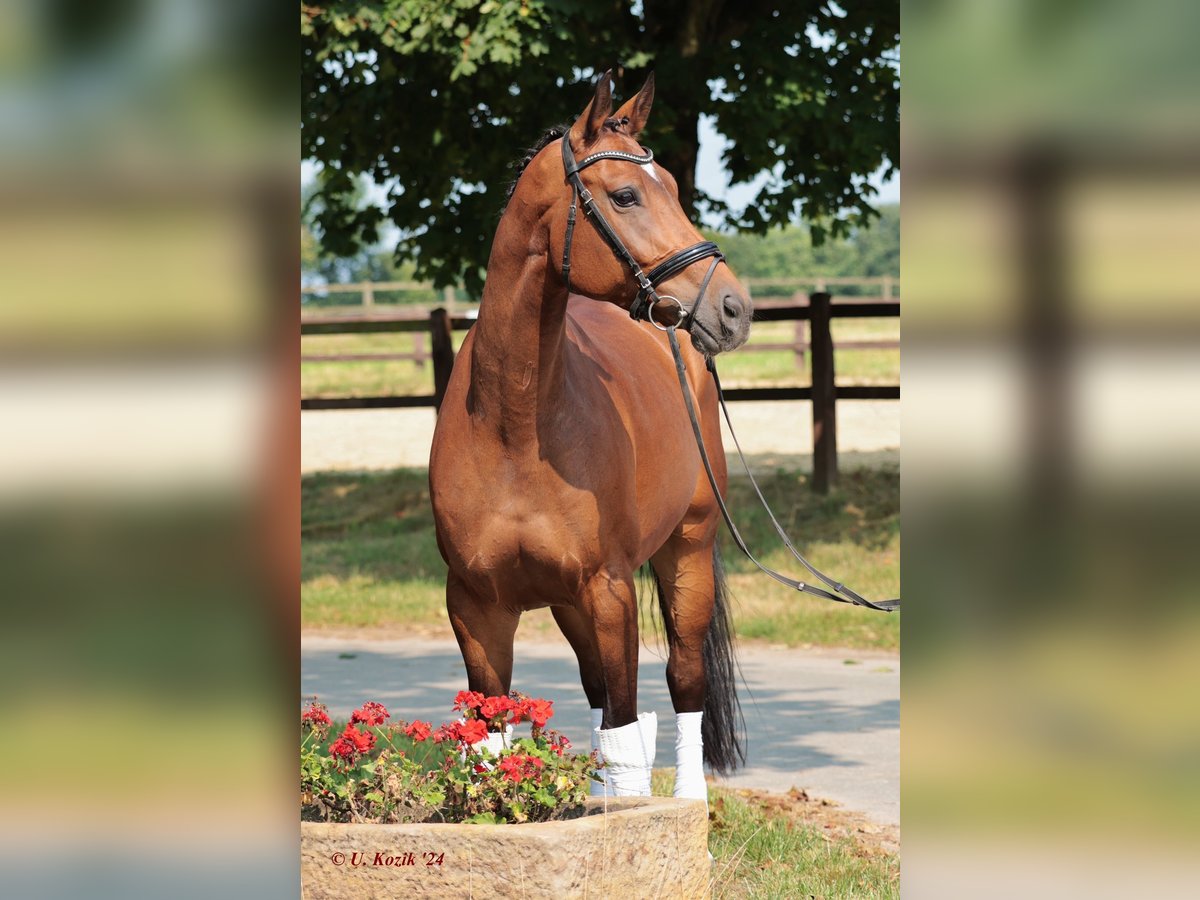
{"type": "Point", "coordinates": [552, 133]}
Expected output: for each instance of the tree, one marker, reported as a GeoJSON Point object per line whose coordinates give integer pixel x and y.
{"type": "Point", "coordinates": [435, 100]}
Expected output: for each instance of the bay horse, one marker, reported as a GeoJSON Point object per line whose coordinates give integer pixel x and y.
{"type": "Point", "coordinates": [563, 458]}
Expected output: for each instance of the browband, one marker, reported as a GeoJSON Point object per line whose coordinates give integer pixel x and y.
{"type": "Point", "coordinates": [647, 296]}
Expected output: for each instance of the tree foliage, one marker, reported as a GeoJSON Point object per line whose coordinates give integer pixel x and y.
{"type": "Point", "coordinates": [791, 253]}
{"type": "Point", "coordinates": [434, 100]}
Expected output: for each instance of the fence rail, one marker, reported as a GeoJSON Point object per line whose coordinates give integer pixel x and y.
{"type": "Point", "coordinates": [368, 291]}
{"type": "Point", "coordinates": [818, 312]}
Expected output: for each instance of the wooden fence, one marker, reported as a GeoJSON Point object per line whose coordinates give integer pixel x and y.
{"type": "Point", "coordinates": [818, 312]}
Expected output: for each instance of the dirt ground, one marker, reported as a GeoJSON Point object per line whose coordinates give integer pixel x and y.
{"type": "Point", "coordinates": [774, 434]}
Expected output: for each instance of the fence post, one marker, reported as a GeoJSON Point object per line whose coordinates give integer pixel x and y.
{"type": "Point", "coordinates": [443, 353]}
{"type": "Point", "coordinates": [368, 296]}
{"type": "Point", "coordinates": [824, 394]}
{"type": "Point", "coordinates": [798, 342]}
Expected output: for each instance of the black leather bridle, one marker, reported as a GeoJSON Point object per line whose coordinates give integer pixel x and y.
{"type": "Point", "coordinates": [647, 298]}
{"type": "Point", "coordinates": [642, 308]}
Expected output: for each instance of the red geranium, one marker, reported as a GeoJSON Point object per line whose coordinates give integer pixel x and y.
{"type": "Point", "coordinates": [468, 700]}
{"type": "Point", "coordinates": [495, 706]}
{"type": "Point", "coordinates": [351, 743]}
{"type": "Point", "coordinates": [418, 731]}
{"type": "Point", "coordinates": [539, 711]}
{"type": "Point", "coordinates": [512, 769]}
{"type": "Point", "coordinates": [472, 731]}
{"type": "Point", "coordinates": [559, 743]}
{"type": "Point", "coordinates": [519, 766]}
{"type": "Point", "coordinates": [315, 716]}
{"type": "Point", "coordinates": [370, 713]}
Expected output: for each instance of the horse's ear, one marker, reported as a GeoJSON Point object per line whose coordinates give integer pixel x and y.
{"type": "Point", "coordinates": [588, 125]}
{"type": "Point", "coordinates": [637, 107]}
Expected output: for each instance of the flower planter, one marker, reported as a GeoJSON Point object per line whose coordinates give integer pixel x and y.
{"type": "Point", "coordinates": [622, 847]}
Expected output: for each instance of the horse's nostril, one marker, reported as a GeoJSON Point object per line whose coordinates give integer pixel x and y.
{"type": "Point", "coordinates": [731, 306]}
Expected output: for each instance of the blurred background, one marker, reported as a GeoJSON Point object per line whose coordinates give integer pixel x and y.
{"type": "Point", "coordinates": [1051, 427]}
{"type": "Point", "coordinates": [147, 272]}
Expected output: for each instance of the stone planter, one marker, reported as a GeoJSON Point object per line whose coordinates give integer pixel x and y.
{"type": "Point", "coordinates": [640, 847]}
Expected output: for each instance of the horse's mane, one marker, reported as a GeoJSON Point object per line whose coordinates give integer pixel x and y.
{"type": "Point", "coordinates": [553, 133]}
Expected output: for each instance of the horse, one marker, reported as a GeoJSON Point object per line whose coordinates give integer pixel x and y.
{"type": "Point", "coordinates": [563, 460]}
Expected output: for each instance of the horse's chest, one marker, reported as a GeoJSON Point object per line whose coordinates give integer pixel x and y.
{"type": "Point", "coordinates": [541, 553]}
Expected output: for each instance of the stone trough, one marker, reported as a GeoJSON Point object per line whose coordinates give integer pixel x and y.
{"type": "Point", "coordinates": [624, 847]}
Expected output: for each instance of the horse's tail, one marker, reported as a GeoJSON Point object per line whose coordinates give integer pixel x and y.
{"type": "Point", "coordinates": [723, 724]}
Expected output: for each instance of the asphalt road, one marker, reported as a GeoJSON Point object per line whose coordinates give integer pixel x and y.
{"type": "Point", "coordinates": [827, 722]}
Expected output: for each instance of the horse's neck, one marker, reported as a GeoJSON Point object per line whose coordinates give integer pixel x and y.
{"type": "Point", "coordinates": [516, 364]}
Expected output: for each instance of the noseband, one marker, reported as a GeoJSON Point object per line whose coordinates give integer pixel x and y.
{"type": "Point", "coordinates": [647, 298]}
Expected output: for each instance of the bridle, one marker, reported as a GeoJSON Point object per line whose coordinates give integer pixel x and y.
{"type": "Point", "coordinates": [642, 308]}
{"type": "Point", "coordinates": [648, 298]}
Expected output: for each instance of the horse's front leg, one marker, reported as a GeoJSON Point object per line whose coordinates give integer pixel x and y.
{"type": "Point", "coordinates": [626, 740]}
{"type": "Point", "coordinates": [484, 631]}
{"type": "Point", "coordinates": [577, 629]}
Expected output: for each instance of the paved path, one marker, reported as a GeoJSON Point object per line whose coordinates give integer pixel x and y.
{"type": "Point", "coordinates": [814, 722]}
{"type": "Point", "coordinates": [774, 434]}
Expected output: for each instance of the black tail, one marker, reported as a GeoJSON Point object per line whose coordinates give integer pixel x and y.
{"type": "Point", "coordinates": [723, 726]}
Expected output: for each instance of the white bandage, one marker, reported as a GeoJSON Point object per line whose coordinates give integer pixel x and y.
{"type": "Point", "coordinates": [628, 754]}
{"type": "Point", "coordinates": [689, 757]}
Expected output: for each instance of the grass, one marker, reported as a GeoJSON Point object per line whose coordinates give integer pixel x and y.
{"type": "Point", "coordinates": [370, 558]}
{"type": "Point", "coordinates": [741, 368]}
{"type": "Point", "coordinates": [788, 846]}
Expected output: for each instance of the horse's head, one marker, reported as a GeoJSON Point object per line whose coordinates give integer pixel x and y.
{"type": "Point", "coordinates": [640, 202]}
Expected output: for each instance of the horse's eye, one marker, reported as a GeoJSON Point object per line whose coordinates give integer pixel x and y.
{"type": "Point", "coordinates": [624, 197]}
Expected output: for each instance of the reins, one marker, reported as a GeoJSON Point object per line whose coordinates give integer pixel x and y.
{"type": "Point", "coordinates": [846, 594]}
{"type": "Point", "coordinates": [643, 308]}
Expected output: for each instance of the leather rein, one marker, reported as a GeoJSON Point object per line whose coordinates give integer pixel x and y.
{"type": "Point", "coordinates": [642, 309]}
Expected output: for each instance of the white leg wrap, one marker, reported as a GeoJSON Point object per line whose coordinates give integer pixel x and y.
{"type": "Point", "coordinates": [689, 757]}
{"type": "Point", "coordinates": [497, 741]}
{"type": "Point", "coordinates": [599, 790]}
{"type": "Point", "coordinates": [628, 754]}
{"type": "Point", "coordinates": [494, 743]}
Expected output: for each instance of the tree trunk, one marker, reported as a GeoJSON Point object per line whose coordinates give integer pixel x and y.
{"type": "Point", "coordinates": [677, 33]}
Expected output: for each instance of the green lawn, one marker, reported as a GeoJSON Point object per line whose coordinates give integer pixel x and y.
{"type": "Point", "coordinates": [370, 559]}
{"type": "Point", "coordinates": [744, 367]}
{"type": "Point", "coordinates": [759, 851]}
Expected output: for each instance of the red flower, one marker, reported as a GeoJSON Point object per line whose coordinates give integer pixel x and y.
{"type": "Point", "coordinates": [517, 767]}
{"type": "Point", "coordinates": [418, 731]}
{"type": "Point", "coordinates": [495, 706]}
{"type": "Point", "coordinates": [560, 744]}
{"type": "Point", "coordinates": [472, 731]}
{"type": "Point", "coordinates": [351, 743]}
{"type": "Point", "coordinates": [468, 700]}
{"type": "Point", "coordinates": [315, 716]}
{"type": "Point", "coordinates": [370, 713]}
{"type": "Point", "coordinates": [446, 733]}
{"type": "Point", "coordinates": [512, 769]}
{"type": "Point", "coordinates": [539, 711]}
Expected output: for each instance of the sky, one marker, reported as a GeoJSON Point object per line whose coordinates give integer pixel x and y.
{"type": "Point", "coordinates": [713, 180]}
